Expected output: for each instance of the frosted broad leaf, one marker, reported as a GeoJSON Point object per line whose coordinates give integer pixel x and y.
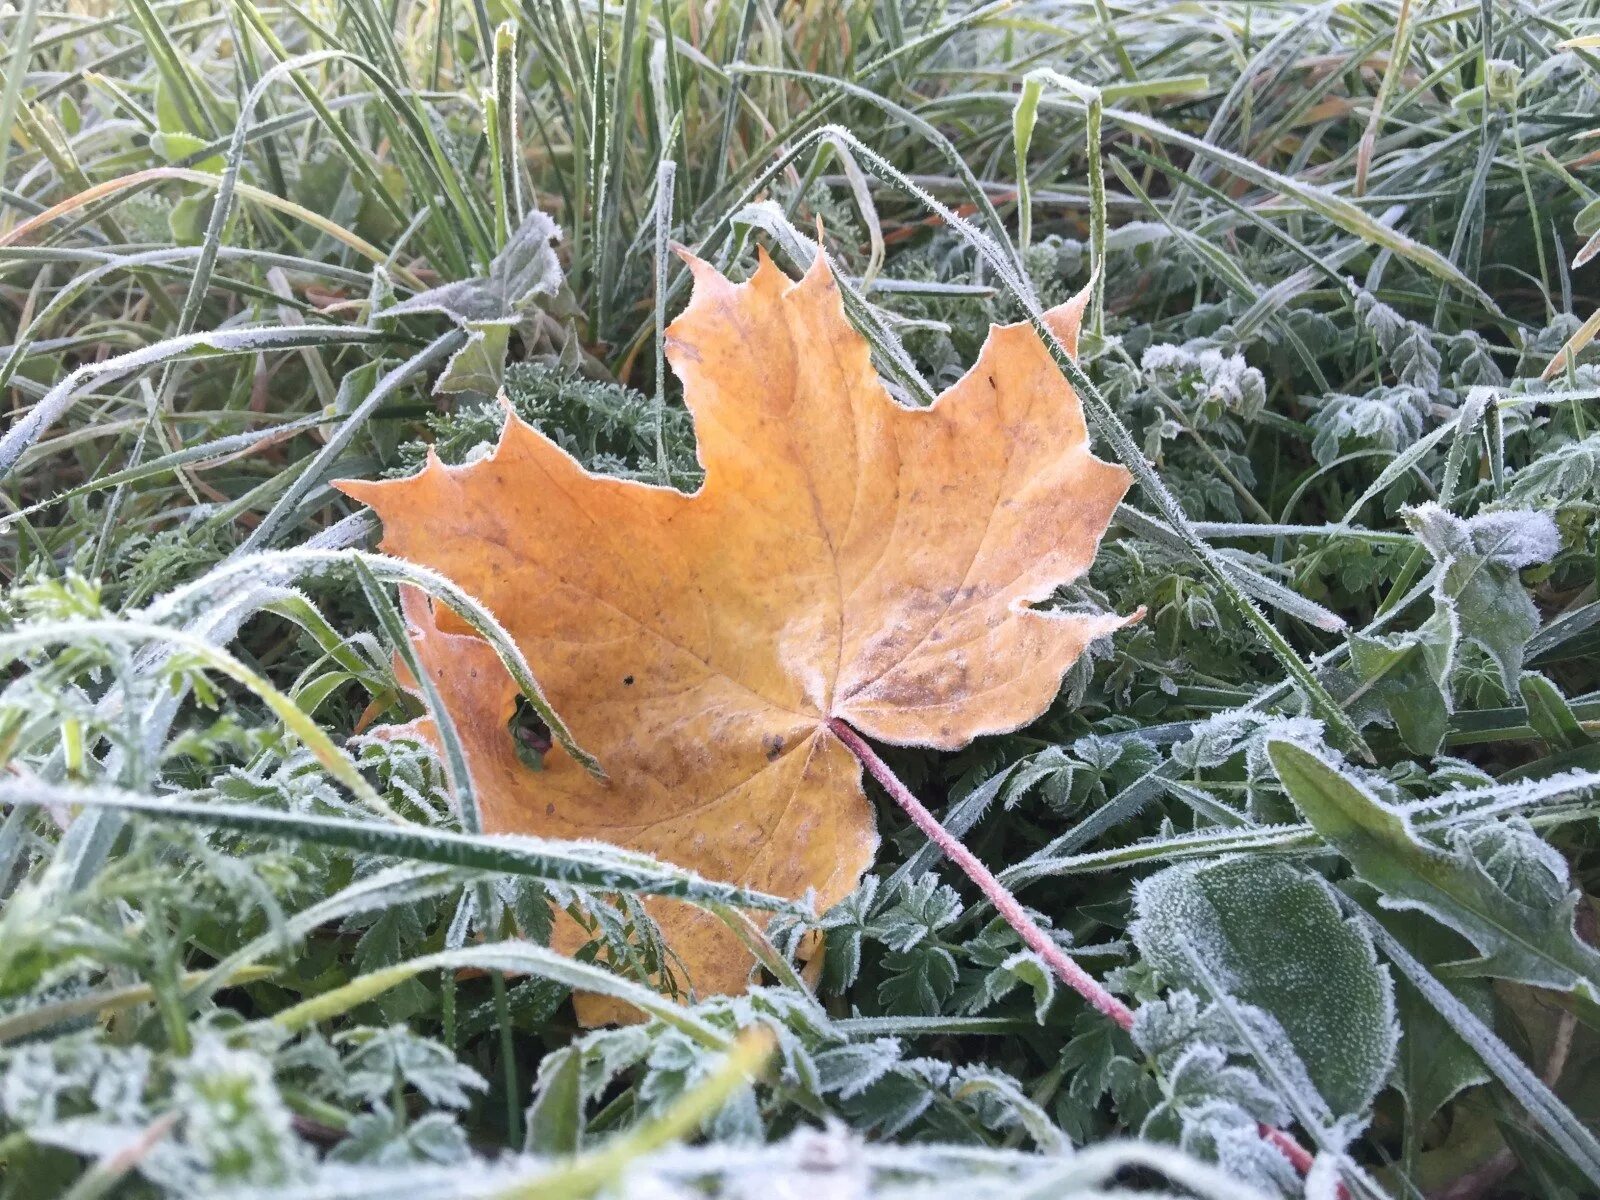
{"type": "Point", "coordinates": [1531, 942]}
{"type": "Point", "coordinates": [925, 906]}
{"type": "Point", "coordinates": [1475, 368]}
{"type": "Point", "coordinates": [902, 1095]}
{"type": "Point", "coordinates": [1567, 473]}
{"type": "Point", "coordinates": [1164, 1028]}
{"type": "Point", "coordinates": [1403, 680]}
{"type": "Point", "coordinates": [1415, 360]}
{"type": "Point", "coordinates": [1027, 968]}
{"type": "Point", "coordinates": [1167, 1024]}
{"type": "Point", "coordinates": [1272, 936]}
{"type": "Point", "coordinates": [1514, 538]}
{"type": "Point", "coordinates": [849, 1070]}
{"type": "Point", "coordinates": [1479, 558]}
{"type": "Point", "coordinates": [1522, 864]}
{"type": "Point", "coordinates": [487, 307]}
{"type": "Point", "coordinates": [675, 1066]}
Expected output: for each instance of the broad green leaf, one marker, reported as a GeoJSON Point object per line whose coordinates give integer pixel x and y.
{"type": "Point", "coordinates": [1273, 936]}
{"type": "Point", "coordinates": [1550, 715]}
{"type": "Point", "coordinates": [1405, 679]}
{"type": "Point", "coordinates": [1433, 1063]}
{"type": "Point", "coordinates": [1480, 558]}
{"type": "Point", "coordinates": [1523, 931]}
{"type": "Point", "coordinates": [555, 1118]}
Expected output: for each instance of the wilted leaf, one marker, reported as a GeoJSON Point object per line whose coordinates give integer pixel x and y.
{"type": "Point", "coordinates": [846, 558]}
{"type": "Point", "coordinates": [525, 268]}
{"type": "Point", "coordinates": [488, 307]}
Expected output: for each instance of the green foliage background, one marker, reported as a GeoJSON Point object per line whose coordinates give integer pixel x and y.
{"type": "Point", "coordinates": [1325, 817]}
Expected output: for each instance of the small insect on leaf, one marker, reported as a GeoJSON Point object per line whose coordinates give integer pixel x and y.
{"type": "Point", "coordinates": [847, 558]}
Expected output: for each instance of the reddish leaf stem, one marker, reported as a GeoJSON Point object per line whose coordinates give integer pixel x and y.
{"type": "Point", "coordinates": [1006, 904]}
{"type": "Point", "coordinates": [1299, 1157]}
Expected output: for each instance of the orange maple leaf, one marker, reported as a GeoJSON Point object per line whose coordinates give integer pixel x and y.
{"type": "Point", "coordinates": [847, 558]}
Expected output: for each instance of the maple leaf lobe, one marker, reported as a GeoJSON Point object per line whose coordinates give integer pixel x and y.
{"type": "Point", "coordinates": [846, 558]}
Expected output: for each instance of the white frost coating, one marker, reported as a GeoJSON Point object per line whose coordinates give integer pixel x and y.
{"type": "Point", "coordinates": [1251, 933]}
{"type": "Point", "coordinates": [1502, 797]}
{"type": "Point", "coordinates": [1210, 375]}
{"type": "Point", "coordinates": [1389, 417]}
{"type": "Point", "coordinates": [1515, 538]}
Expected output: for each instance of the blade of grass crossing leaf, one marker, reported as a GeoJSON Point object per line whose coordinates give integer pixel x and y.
{"type": "Point", "coordinates": [460, 780]}
{"type": "Point", "coordinates": [248, 571]}
{"type": "Point", "coordinates": [1555, 1118]}
{"type": "Point", "coordinates": [320, 467]}
{"type": "Point", "coordinates": [455, 758]}
{"type": "Point", "coordinates": [1126, 449]}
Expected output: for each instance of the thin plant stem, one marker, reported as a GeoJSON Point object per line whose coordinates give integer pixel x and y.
{"type": "Point", "coordinates": [1034, 937]}
{"type": "Point", "coordinates": [1005, 903]}
{"type": "Point", "coordinates": [1299, 1157]}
